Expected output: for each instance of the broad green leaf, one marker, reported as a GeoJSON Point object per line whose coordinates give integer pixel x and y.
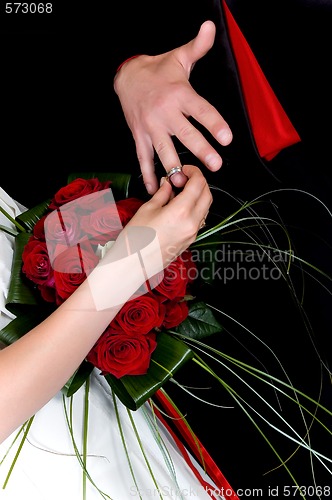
{"type": "Point", "coordinates": [23, 299]}
{"type": "Point", "coordinates": [78, 378]}
{"type": "Point", "coordinates": [200, 322]}
{"type": "Point", "coordinates": [169, 356]}
{"type": "Point", "coordinates": [30, 217]}
{"type": "Point", "coordinates": [25, 302]}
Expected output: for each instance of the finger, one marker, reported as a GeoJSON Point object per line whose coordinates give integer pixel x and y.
{"type": "Point", "coordinates": [202, 207]}
{"type": "Point", "coordinates": [202, 43]}
{"type": "Point", "coordinates": [145, 156]}
{"type": "Point", "coordinates": [167, 153]}
{"type": "Point", "coordinates": [195, 141]}
{"type": "Point", "coordinates": [148, 173]}
{"type": "Point", "coordinates": [163, 195]}
{"type": "Point", "coordinates": [208, 116]}
{"type": "Point", "coordinates": [165, 179]}
{"type": "Point", "coordinates": [196, 196]}
{"type": "Point", "coordinates": [178, 180]}
{"type": "Point", "coordinates": [195, 188]}
{"type": "Point", "coordinates": [203, 204]}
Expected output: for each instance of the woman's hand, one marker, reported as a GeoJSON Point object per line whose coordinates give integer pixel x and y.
{"type": "Point", "coordinates": [157, 99]}
{"type": "Point", "coordinates": [176, 219]}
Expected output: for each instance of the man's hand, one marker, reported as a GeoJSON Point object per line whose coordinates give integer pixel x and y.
{"type": "Point", "coordinates": [157, 99]}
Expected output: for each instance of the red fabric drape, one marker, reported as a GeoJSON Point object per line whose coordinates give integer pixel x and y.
{"type": "Point", "coordinates": [223, 487]}
{"type": "Point", "coordinates": [271, 127]}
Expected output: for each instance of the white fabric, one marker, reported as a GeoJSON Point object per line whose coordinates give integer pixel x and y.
{"type": "Point", "coordinates": [47, 467]}
{"type": "Point", "coordinates": [6, 251]}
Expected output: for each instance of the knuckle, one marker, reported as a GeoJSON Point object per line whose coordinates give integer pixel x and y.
{"type": "Point", "coordinates": [201, 182]}
{"type": "Point", "coordinates": [186, 131]}
{"type": "Point", "coordinates": [203, 109]}
{"type": "Point", "coordinates": [161, 147]}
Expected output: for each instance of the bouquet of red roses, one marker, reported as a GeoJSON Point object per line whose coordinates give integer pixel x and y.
{"type": "Point", "coordinates": [64, 241]}
{"type": "Point", "coordinates": [60, 241]}
{"type": "Point", "coordinates": [58, 244]}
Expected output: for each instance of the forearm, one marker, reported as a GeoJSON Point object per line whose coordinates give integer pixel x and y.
{"type": "Point", "coordinates": [35, 368]}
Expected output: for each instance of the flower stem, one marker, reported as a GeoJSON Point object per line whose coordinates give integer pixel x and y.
{"type": "Point", "coordinates": [18, 452]}
{"type": "Point", "coordinates": [85, 432]}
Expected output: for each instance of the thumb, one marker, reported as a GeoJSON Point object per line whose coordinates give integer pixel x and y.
{"type": "Point", "coordinates": [198, 46]}
{"type": "Point", "coordinates": [164, 194]}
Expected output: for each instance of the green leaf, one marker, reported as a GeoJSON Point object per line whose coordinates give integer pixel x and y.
{"type": "Point", "coordinates": [21, 292]}
{"type": "Point", "coordinates": [25, 302]}
{"type": "Point", "coordinates": [169, 356]}
{"type": "Point", "coordinates": [30, 217]}
{"type": "Point", "coordinates": [77, 380]}
{"type": "Point", "coordinates": [200, 322]}
{"type": "Point", "coordinates": [120, 181]}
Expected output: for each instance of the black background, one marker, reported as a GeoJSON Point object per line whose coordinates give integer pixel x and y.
{"type": "Point", "coordinates": [59, 114]}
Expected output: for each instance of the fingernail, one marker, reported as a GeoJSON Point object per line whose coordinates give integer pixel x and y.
{"type": "Point", "coordinates": [148, 187]}
{"type": "Point", "coordinates": [213, 161]}
{"type": "Point", "coordinates": [224, 137]}
{"type": "Point", "coordinates": [162, 180]}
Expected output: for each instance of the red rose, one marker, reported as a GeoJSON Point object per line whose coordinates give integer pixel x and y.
{"type": "Point", "coordinates": [71, 267]}
{"type": "Point", "coordinates": [121, 354]}
{"type": "Point", "coordinates": [63, 227]}
{"type": "Point", "coordinates": [47, 292]}
{"type": "Point", "coordinates": [127, 209]}
{"type": "Point", "coordinates": [187, 259]}
{"type": "Point", "coordinates": [36, 263]}
{"type": "Point", "coordinates": [175, 280]}
{"type": "Point", "coordinates": [139, 316]}
{"type": "Point", "coordinates": [76, 189]}
{"type": "Point", "coordinates": [176, 312]}
{"type": "Point", "coordinates": [38, 229]}
{"type": "Point", "coordinates": [102, 225]}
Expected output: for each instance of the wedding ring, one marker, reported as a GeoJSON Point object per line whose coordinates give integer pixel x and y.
{"type": "Point", "coordinates": [203, 223]}
{"type": "Point", "coordinates": [174, 170]}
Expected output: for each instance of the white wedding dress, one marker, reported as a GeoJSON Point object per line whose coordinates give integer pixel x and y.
{"type": "Point", "coordinates": [47, 467]}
